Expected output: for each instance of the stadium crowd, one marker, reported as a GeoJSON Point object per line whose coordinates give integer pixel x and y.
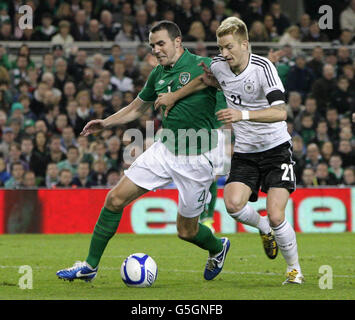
{"type": "Point", "coordinates": [44, 107]}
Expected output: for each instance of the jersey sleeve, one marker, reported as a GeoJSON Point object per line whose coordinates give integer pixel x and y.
{"type": "Point", "coordinates": [148, 92]}
{"type": "Point", "coordinates": [271, 83]}
{"type": "Point", "coordinates": [214, 64]}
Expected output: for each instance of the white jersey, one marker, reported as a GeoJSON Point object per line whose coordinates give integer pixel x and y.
{"type": "Point", "coordinates": [257, 87]}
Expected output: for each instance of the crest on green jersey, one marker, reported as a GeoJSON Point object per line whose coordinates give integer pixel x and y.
{"type": "Point", "coordinates": [184, 77]}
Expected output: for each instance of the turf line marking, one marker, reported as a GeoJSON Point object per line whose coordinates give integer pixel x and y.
{"type": "Point", "coordinates": [195, 271]}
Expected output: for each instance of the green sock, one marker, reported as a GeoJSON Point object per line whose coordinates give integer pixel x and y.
{"type": "Point", "coordinates": [208, 213]}
{"type": "Point", "coordinates": [106, 226]}
{"type": "Point", "coordinates": [206, 240]}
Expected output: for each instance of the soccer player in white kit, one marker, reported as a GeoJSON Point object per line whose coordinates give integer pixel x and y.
{"type": "Point", "coordinates": [263, 151]}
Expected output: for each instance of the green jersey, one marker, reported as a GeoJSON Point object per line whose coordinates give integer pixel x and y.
{"type": "Point", "coordinates": [190, 123]}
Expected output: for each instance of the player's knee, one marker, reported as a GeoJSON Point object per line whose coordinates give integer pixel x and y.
{"type": "Point", "coordinates": [276, 217]}
{"type": "Point", "coordinates": [114, 201]}
{"type": "Point", "coordinates": [234, 205]}
{"type": "Point", "coordinates": [186, 233]}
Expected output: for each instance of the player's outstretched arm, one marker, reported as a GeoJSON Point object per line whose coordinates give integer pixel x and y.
{"type": "Point", "coordinates": [273, 114]}
{"type": "Point", "coordinates": [129, 113]}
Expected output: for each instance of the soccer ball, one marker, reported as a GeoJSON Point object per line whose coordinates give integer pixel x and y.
{"type": "Point", "coordinates": [139, 270]}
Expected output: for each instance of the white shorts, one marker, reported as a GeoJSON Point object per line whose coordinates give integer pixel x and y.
{"type": "Point", "coordinates": [192, 175]}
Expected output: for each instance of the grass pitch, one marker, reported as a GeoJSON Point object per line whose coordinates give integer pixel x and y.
{"type": "Point", "coordinates": [248, 274]}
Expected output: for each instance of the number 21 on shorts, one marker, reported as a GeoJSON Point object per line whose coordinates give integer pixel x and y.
{"type": "Point", "coordinates": [288, 172]}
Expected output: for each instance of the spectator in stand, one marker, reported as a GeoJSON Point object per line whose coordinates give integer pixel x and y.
{"type": "Point", "coordinates": [4, 58]}
{"type": "Point", "coordinates": [108, 27]}
{"type": "Point", "coordinates": [254, 11]}
{"type": "Point", "coordinates": [29, 180]}
{"type": "Point", "coordinates": [127, 34]}
{"type": "Point", "coordinates": [219, 10]}
{"type": "Point", "coordinates": [343, 55]}
{"type": "Point", "coordinates": [118, 79]}
{"type": "Point", "coordinates": [315, 34]}
{"type": "Point", "coordinates": [64, 12]}
{"type": "Point", "coordinates": [324, 177]}
{"type": "Point", "coordinates": [64, 37]}
{"type": "Point", "coordinates": [125, 12]}
{"type": "Point", "coordinates": [69, 93]}
{"type": "Point", "coordinates": [346, 152]}
{"type": "Point", "coordinates": [4, 174]}
{"type": "Point", "coordinates": [39, 154]}
{"type": "Point", "coordinates": [84, 108]}
{"type": "Point", "coordinates": [52, 175]}
{"type": "Point", "coordinates": [97, 64]}
{"type": "Point", "coordinates": [316, 63]}
{"type": "Point", "coordinates": [116, 55]}
{"type": "Point", "coordinates": [114, 153]}
{"type": "Point", "coordinates": [82, 177]}
{"type": "Point", "coordinates": [313, 156]}
{"type": "Point", "coordinates": [141, 27]}
{"type": "Point", "coordinates": [307, 132]}
{"type": "Point", "coordinates": [65, 179]}
{"type": "Point", "coordinates": [294, 105]}
{"type": "Point", "coordinates": [77, 64]}
{"type": "Point", "coordinates": [55, 153]}
{"type": "Point", "coordinates": [335, 167]}
{"type": "Point", "coordinates": [79, 27]}
{"type": "Point", "coordinates": [94, 33]}
{"type": "Point", "coordinates": [98, 92]}
{"type": "Point", "coordinates": [298, 156]}
{"type": "Point", "coordinates": [327, 151]}
{"type": "Point", "coordinates": [300, 77]}
{"type": "Point", "coordinates": [72, 160]}
{"type": "Point", "coordinates": [46, 30]}
{"type": "Point", "coordinates": [98, 175]}
{"type": "Point", "coordinates": [47, 64]}
{"type": "Point", "coordinates": [186, 16]}
{"type": "Point", "coordinates": [321, 135]}
{"type": "Point", "coordinates": [271, 28]}
{"type": "Point", "coordinates": [292, 38]}
{"type": "Point", "coordinates": [196, 32]}
{"type": "Point", "coordinates": [349, 73]}
{"type": "Point", "coordinates": [258, 32]}
{"type": "Point", "coordinates": [323, 86]}
{"type": "Point", "coordinates": [310, 108]}
{"type": "Point", "coordinates": [152, 10]}
{"type": "Point", "coordinates": [349, 177]}
{"type": "Point", "coordinates": [304, 24]}
{"type": "Point", "coordinates": [281, 20]}
{"type": "Point", "coordinates": [345, 39]}
{"type": "Point", "coordinates": [131, 70]}
{"type": "Point", "coordinates": [347, 18]}
{"type": "Point", "coordinates": [20, 72]}
{"type": "Point", "coordinates": [108, 87]}
{"type": "Point", "coordinates": [113, 177]}
{"type": "Point", "coordinates": [68, 138]}
{"type": "Point", "coordinates": [342, 98]}
{"type": "Point", "coordinates": [26, 150]}
{"type": "Point", "coordinates": [17, 172]}
{"type": "Point", "coordinates": [87, 81]}
{"type": "Point", "coordinates": [332, 118]}
{"type": "Point", "coordinates": [6, 31]}
{"type": "Point", "coordinates": [308, 178]}
{"type": "Point", "coordinates": [61, 75]}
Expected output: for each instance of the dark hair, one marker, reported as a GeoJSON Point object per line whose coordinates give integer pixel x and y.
{"type": "Point", "coordinates": [172, 28]}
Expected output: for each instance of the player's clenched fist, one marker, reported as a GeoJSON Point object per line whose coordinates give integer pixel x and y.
{"type": "Point", "coordinates": [229, 115]}
{"type": "Point", "coordinates": [93, 126]}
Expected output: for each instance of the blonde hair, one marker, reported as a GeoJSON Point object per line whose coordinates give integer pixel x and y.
{"type": "Point", "coordinates": [234, 26]}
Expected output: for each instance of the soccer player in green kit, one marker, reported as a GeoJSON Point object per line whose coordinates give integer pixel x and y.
{"type": "Point", "coordinates": [173, 158]}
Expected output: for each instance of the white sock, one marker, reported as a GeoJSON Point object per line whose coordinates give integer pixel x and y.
{"type": "Point", "coordinates": [250, 217]}
{"type": "Point", "coordinates": [285, 238]}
